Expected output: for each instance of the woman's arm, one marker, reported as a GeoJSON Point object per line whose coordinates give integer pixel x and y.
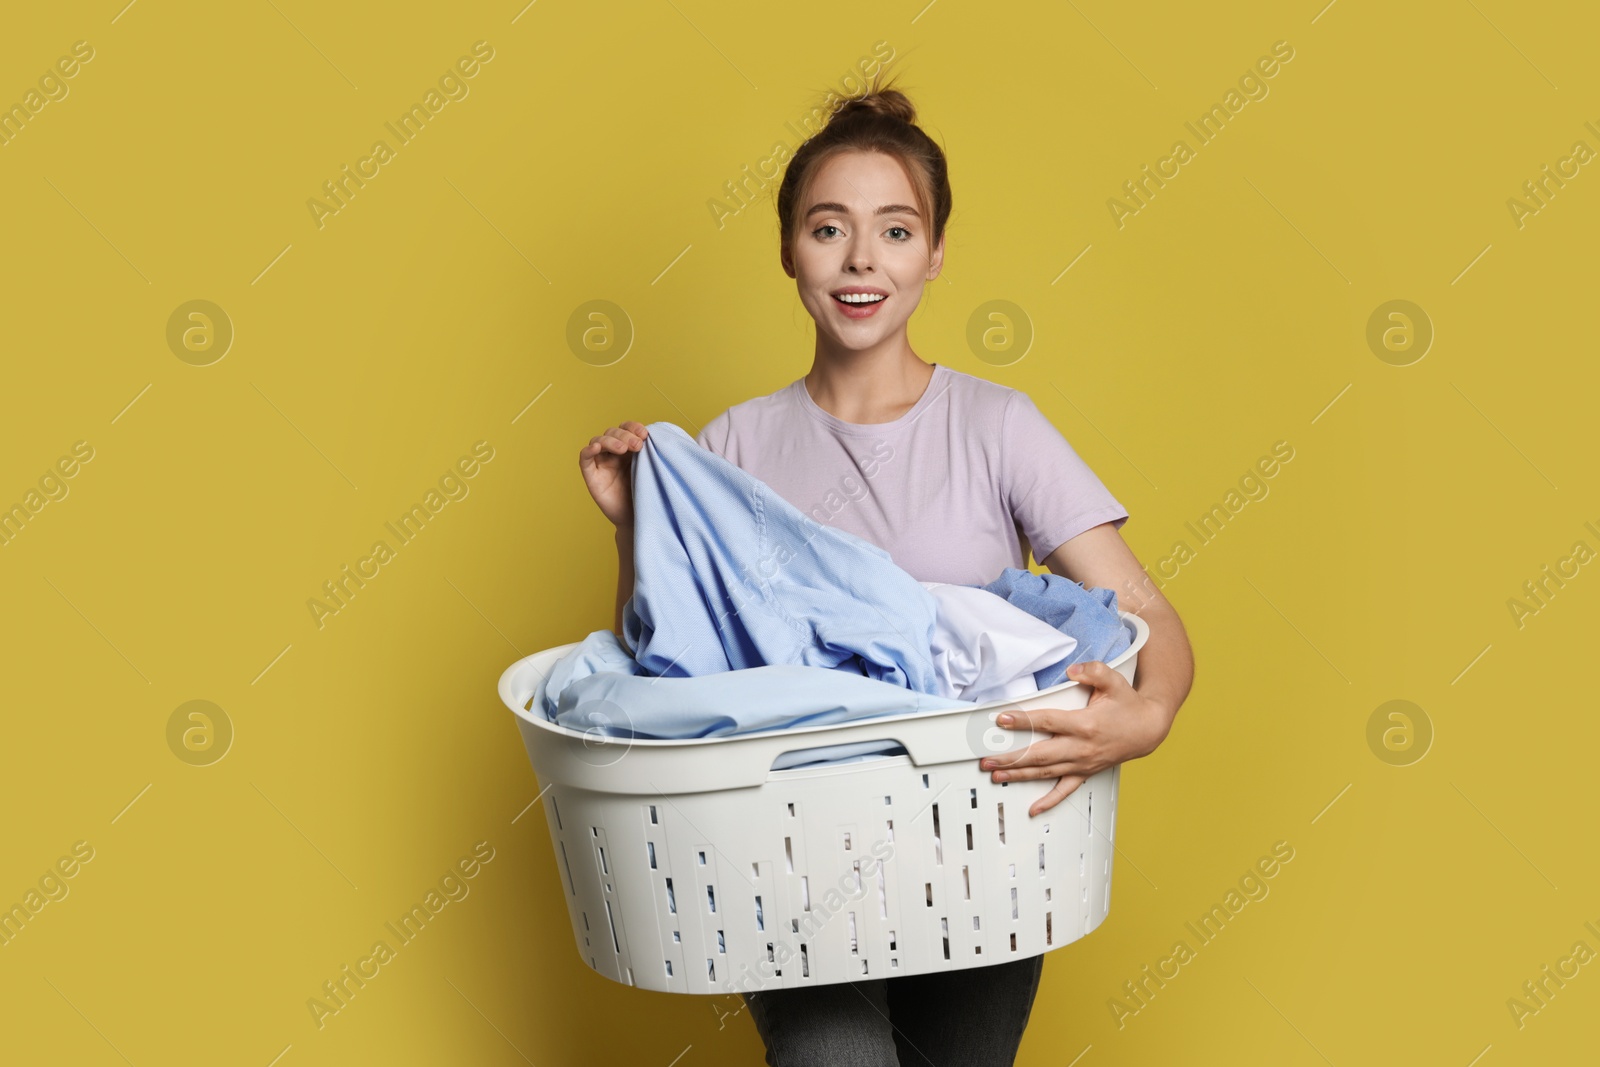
{"type": "Point", "coordinates": [1121, 721]}
{"type": "Point", "coordinates": [1100, 558]}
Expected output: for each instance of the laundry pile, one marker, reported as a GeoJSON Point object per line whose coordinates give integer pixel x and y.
{"type": "Point", "coordinates": [748, 615]}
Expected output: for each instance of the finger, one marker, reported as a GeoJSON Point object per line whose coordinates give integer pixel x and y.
{"type": "Point", "coordinates": [625, 437]}
{"type": "Point", "coordinates": [598, 446]}
{"type": "Point", "coordinates": [1097, 675]}
{"type": "Point", "coordinates": [1044, 720]}
{"type": "Point", "coordinates": [1048, 753]}
{"type": "Point", "coordinates": [1056, 748]}
{"type": "Point", "coordinates": [1060, 792]}
{"type": "Point", "coordinates": [1051, 769]}
{"type": "Point", "coordinates": [637, 427]}
{"type": "Point", "coordinates": [622, 441]}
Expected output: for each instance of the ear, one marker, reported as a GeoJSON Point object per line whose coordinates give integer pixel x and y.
{"type": "Point", "coordinates": [936, 260]}
{"type": "Point", "coordinates": [786, 260]}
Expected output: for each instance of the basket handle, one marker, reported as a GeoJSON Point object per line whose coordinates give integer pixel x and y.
{"type": "Point", "coordinates": [786, 756]}
{"type": "Point", "coordinates": [924, 742]}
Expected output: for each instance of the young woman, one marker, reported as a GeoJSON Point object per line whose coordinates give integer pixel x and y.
{"type": "Point", "coordinates": [957, 478]}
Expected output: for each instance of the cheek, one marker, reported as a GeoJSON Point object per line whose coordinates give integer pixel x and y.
{"type": "Point", "coordinates": [809, 259]}
{"type": "Point", "coordinates": [910, 298]}
{"type": "Point", "coordinates": [910, 273]}
{"type": "Point", "coordinates": [807, 282]}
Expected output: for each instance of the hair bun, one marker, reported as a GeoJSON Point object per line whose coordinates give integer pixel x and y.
{"type": "Point", "coordinates": [891, 103]}
{"type": "Point", "coordinates": [879, 118]}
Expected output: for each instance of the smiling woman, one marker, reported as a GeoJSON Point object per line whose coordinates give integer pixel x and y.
{"type": "Point", "coordinates": [979, 478]}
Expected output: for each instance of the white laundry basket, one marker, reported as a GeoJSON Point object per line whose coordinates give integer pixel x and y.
{"type": "Point", "coordinates": [690, 866]}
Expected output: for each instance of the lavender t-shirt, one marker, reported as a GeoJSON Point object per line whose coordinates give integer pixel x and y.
{"type": "Point", "coordinates": [955, 490]}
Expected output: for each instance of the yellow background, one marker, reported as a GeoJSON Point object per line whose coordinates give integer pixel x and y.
{"type": "Point", "coordinates": [1228, 314]}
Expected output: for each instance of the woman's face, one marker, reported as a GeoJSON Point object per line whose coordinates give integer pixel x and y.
{"type": "Point", "coordinates": [859, 230]}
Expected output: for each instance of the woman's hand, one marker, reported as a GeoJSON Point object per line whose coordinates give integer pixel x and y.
{"type": "Point", "coordinates": [1118, 724]}
{"type": "Point", "coordinates": [605, 463]}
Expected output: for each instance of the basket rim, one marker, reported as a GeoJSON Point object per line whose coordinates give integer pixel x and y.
{"type": "Point", "coordinates": [1141, 635]}
{"type": "Point", "coordinates": [1140, 628]}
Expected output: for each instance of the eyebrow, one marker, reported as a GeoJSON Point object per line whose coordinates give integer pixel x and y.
{"type": "Point", "coordinates": [832, 208]}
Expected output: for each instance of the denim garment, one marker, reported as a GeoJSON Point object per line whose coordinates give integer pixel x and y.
{"type": "Point", "coordinates": [968, 1018]}
{"type": "Point", "coordinates": [1090, 615]}
{"type": "Point", "coordinates": [729, 575]}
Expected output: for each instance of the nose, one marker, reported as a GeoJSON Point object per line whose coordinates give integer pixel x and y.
{"type": "Point", "coordinates": [858, 256]}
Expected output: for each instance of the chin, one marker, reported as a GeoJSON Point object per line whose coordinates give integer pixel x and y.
{"type": "Point", "coordinates": [859, 343]}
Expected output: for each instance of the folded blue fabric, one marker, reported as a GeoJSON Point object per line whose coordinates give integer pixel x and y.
{"type": "Point", "coordinates": [1090, 615]}
{"type": "Point", "coordinates": [730, 576]}
{"type": "Point", "coordinates": [600, 687]}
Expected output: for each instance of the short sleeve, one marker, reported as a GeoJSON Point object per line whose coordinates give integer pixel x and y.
{"type": "Point", "coordinates": [1052, 493]}
{"type": "Point", "coordinates": [714, 436]}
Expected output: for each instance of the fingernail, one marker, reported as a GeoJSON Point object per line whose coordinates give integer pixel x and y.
{"type": "Point", "coordinates": [1004, 720]}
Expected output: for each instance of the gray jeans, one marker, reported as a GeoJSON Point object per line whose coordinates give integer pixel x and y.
{"type": "Point", "coordinates": [967, 1018]}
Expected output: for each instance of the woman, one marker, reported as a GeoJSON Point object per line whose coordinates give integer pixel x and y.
{"type": "Point", "coordinates": [962, 478]}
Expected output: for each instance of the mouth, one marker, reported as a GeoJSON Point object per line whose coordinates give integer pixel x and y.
{"type": "Point", "coordinates": [859, 305]}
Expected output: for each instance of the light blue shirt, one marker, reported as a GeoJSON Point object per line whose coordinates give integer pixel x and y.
{"type": "Point", "coordinates": [729, 575]}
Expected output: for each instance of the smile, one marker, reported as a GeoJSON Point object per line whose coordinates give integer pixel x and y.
{"type": "Point", "coordinates": [859, 305]}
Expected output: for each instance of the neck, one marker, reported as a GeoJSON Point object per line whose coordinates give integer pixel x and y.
{"type": "Point", "coordinates": [869, 386]}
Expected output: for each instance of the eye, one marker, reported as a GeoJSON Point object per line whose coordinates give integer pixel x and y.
{"type": "Point", "coordinates": [903, 230]}
{"type": "Point", "coordinates": [825, 226]}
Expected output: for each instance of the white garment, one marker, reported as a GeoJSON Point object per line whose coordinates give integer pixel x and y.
{"type": "Point", "coordinates": [986, 648]}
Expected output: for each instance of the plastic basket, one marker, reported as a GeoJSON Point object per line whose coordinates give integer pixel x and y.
{"type": "Point", "coordinates": [690, 866]}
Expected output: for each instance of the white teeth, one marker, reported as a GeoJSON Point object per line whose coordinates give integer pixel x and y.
{"type": "Point", "coordinates": [859, 298]}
